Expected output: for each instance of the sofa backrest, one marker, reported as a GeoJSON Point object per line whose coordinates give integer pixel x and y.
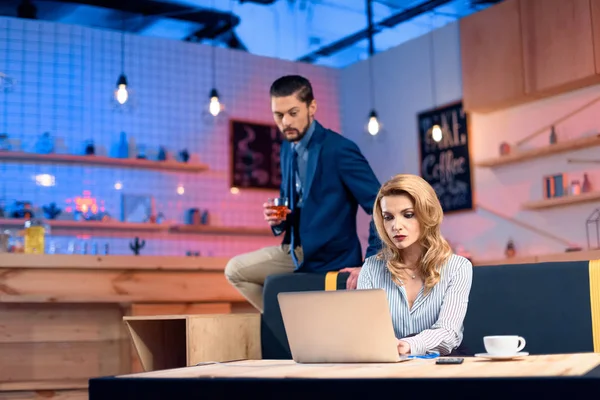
{"type": "Point", "coordinates": [555, 306]}
{"type": "Point", "coordinates": [273, 337]}
{"type": "Point", "coordinates": [548, 303]}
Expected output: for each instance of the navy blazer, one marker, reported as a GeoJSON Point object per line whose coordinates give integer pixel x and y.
{"type": "Point", "coordinates": [338, 180]}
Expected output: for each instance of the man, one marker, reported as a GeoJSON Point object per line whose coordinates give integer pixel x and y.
{"type": "Point", "coordinates": [325, 177]}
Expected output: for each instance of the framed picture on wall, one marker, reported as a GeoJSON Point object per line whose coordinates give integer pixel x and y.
{"type": "Point", "coordinates": [255, 155]}
{"type": "Point", "coordinates": [445, 160]}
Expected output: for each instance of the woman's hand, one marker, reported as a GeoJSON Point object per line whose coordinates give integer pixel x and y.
{"type": "Point", "coordinates": [403, 347]}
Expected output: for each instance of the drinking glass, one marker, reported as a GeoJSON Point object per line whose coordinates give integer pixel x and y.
{"type": "Point", "coordinates": [279, 205]}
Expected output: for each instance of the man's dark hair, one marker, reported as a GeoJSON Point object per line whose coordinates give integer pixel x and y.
{"type": "Point", "coordinates": [293, 84]}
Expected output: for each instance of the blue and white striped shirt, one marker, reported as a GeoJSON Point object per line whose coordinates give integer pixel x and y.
{"type": "Point", "coordinates": [435, 318]}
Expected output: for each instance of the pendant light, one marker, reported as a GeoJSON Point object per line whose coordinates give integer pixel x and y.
{"type": "Point", "coordinates": [214, 105]}
{"type": "Point", "coordinates": [121, 93]}
{"type": "Point", "coordinates": [373, 124]}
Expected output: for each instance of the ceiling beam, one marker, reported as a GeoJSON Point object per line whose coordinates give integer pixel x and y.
{"type": "Point", "coordinates": [388, 22]}
{"type": "Point", "coordinates": [160, 9]}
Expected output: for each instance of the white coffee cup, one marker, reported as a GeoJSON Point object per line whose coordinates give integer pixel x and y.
{"type": "Point", "coordinates": [504, 344]}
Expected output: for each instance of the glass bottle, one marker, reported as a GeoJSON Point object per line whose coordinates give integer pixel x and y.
{"type": "Point", "coordinates": [34, 234]}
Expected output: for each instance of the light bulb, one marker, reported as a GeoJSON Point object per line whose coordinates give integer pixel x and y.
{"type": "Point", "coordinates": [436, 133]}
{"type": "Point", "coordinates": [215, 106]}
{"type": "Point", "coordinates": [373, 126]}
{"type": "Point", "coordinates": [121, 94]}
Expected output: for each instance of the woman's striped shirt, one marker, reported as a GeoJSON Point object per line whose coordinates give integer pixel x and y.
{"type": "Point", "coordinates": [435, 319]}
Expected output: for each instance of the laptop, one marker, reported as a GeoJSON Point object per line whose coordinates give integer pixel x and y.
{"type": "Point", "coordinates": [345, 326]}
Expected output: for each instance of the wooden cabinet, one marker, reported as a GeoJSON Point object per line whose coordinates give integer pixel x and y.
{"type": "Point", "coordinates": [596, 31]}
{"type": "Point", "coordinates": [522, 50]}
{"type": "Point", "coordinates": [557, 43]}
{"type": "Point", "coordinates": [492, 63]}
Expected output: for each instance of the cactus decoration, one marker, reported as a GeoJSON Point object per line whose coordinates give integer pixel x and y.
{"type": "Point", "coordinates": [51, 211]}
{"type": "Point", "coordinates": [137, 245]}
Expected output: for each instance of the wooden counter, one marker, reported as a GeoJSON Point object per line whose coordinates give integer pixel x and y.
{"type": "Point", "coordinates": [585, 255]}
{"type": "Point", "coordinates": [61, 316]}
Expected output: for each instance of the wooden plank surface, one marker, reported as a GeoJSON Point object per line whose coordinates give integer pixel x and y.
{"type": "Point", "coordinates": [542, 365]}
{"type": "Point", "coordinates": [531, 154]}
{"type": "Point", "coordinates": [58, 384]}
{"type": "Point", "coordinates": [34, 323]}
{"type": "Point", "coordinates": [55, 158]}
{"type": "Point", "coordinates": [491, 57]}
{"type": "Point", "coordinates": [179, 309]}
{"type": "Point", "coordinates": [69, 394]}
{"type": "Point", "coordinates": [223, 338]}
{"type": "Point", "coordinates": [19, 285]}
{"type": "Point", "coordinates": [61, 360]}
{"type": "Point", "coordinates": [556, 257]}
{"type": "Point", "coordinates": [77, 261]}
{"type": "Point", "coordinates": [555, 33]}
{"type": "Point", "coordinates": [562, 201]}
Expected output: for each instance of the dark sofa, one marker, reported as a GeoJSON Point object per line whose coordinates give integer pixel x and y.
{"type": "Point", "coordinates": [555, 306]}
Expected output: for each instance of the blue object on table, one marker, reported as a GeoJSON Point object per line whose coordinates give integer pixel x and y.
{"type": "Point", "coordinates": [427, 356]}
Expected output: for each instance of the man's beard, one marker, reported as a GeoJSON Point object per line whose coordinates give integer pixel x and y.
{"type": "Point", "coordinates": [300, 134]}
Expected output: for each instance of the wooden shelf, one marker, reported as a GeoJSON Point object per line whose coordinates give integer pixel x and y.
{"type": "Point", "coordinates": [562, 201]}
{"type": "Point", "coordinates": [129, 226]}
{"type": "Point", "coordinates": [108, 225]}
{"type": "Point", "coordinates": [221, 230]}
{"type": "Point", "coordinates": [102, 161]}
{"type": "Point", "coordinates": [113, 262]}
{"type": "Point", "coordinates": [560, 147]}
{"type": "Point", "coordinates": [583, 255]}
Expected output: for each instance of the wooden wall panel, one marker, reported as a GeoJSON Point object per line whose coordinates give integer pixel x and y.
{"type": "Point", "coordinates": [557, 43]}
{"type": "Point", "coordinates": [492, 58]}
{"type": "Point", "coordinates": [104, 286]}
{"type": "Point", "coordinates": [32, 323]}
{"type": "Point", "coordinates": [595, 5]}
{"type": "Point", "coordinates": [60, 360]}
{"type": "Point", "coordinates": [180, 308]}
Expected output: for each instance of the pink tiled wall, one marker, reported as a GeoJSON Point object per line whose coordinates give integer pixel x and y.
{"type": "Point", "coordinates": [65, 76]}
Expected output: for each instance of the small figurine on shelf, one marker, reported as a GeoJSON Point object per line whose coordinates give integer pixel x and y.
{"type": "Point", "coordinates": [23, 209]}
{"type": "Point", "coordinates": [123, 146]}
{"type": "Point", "coordinates": [204, 217]}
{"type": "Point", "coordinates": [5, 142]}
{"type": "Point", "coordinates": [90, 150]}
{"type": "Point", "coordinates": [184, 155]}
{"type": "Point", "coordinates": [141, 152]}
{"type": "Point", "coordinates": [45, 144]}
{"type": "Point", "coordinates": [553, 138]}
{"type": "Point", "coordinates": [137, 245]}
{"type": "Point", "coordinates": [504, 149]}
{"type": "Point", "coordinates": [51, 211]}
{"type": "Point", "coordinates": [510, 249]}
{"type": "Point", "coordinates": [162, 153]}
{"type": "Point", "coordinates": [587, 185]}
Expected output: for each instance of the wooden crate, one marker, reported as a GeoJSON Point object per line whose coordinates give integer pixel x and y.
{"type": "Point", "coordinates": [173, 341]}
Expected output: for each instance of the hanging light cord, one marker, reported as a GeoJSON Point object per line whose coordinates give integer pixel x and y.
{"type": "Point", "coordinates": [432, 62]}
{"type": "Point", "coordinates": [371, 51]}
{"type": "Point", "coordinates": [123, 45]}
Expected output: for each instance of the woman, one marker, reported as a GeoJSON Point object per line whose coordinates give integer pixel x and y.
{"type": "Point", "coordinates": [427, 286]}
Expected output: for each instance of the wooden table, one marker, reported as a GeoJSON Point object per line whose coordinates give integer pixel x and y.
{"type": "Point", "coordinates": [543, 374]}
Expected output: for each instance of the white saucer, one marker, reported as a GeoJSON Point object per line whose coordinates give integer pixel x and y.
{"type": "Point", "coordinates": [502, 357]}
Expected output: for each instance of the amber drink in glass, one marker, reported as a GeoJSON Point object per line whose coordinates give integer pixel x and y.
{"type": "Point", "coordinates": [279, 205]}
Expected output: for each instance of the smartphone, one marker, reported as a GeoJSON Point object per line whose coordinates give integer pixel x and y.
{"type": "Point", "coordinates": [449, 360]}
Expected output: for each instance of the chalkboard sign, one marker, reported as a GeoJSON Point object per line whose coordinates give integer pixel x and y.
{"type": "Point", "coordinates": [446, 164]}
{"type": "Point", "coordinates": [255, 155]}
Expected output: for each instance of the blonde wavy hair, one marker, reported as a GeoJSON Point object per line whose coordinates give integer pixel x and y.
{"type": "Point", "coordinates": [429, 213]}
